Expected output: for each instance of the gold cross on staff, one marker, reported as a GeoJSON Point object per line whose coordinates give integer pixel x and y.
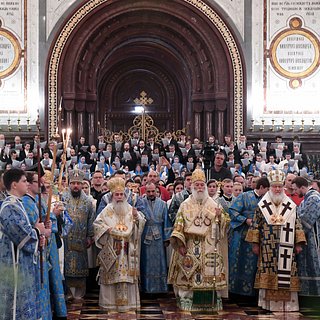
{"type": "Point", "coordinates": [143, 101]}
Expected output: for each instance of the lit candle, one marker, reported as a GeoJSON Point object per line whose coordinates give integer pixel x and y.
{"type": "Point", "coordinates": [68, 135]}
{"type": "Point", "coordinates": [63, 132]}
{"type": "Point", "coordinates": [60, 105]}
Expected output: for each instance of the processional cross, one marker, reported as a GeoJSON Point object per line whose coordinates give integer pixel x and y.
{"type": "Point", "coordinates": [143, 101]}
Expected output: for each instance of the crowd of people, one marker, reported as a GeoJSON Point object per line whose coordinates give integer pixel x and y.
{"type": "Point", "coordinates": [211, 221]}
{"type": "Point", "coordinates": [136, 156]}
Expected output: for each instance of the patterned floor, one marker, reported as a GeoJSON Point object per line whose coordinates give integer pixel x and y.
{"type": "Point", "coordinates": [164, 308]}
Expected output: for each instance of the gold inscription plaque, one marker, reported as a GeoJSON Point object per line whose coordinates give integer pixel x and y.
{"type": "Point", "coordinates": [294, 52]}
{"type": "Point", "coordinates": [10, 53]}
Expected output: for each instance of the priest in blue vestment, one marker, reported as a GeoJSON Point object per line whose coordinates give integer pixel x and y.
{"type": "Point", "coordinates": [56, 277]}
{"type": "Point", "coordinates": [30, 204]}
{"type": "Point", "coordinates": [242, 261]}
{"type": "Point", "coordinates": [309, 259]}
{"type": "Point", "coordinates": [156, 232]}
{"type": "Point", "coordinates": [18, 252]}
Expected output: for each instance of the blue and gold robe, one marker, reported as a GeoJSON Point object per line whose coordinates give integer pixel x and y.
{"type": "Point", "coordinates": [242, 261]}
{"type": "Point", "coordinates": [81, 212]}
{"type": "Point", "coordinates": [43, 291]}
{"type": "Point", "coordinates": [153, 254]}
{"type": "Point", "coordinates": [55, 277]}
{"type": "Point", "coordinates": [18, 262]}
{"type": "Point", "coordinates": [309, 259]}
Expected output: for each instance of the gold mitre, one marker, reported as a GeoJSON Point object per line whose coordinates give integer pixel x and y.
{"type": "Point", "coordinates": [276, 177]}
{"type": "Point", "coordinates": [198, 175]}
{"type": "Point", "coordinates": [116, 185]}
{"type": "Point", "coordinates": [76, 176]}
{"type": "Point", "coordinates": [47, 177]}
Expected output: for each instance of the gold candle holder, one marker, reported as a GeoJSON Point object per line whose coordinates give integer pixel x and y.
{"type": "Point", "coordinates": [302, 126]}
{"type": "Point", "coordinates": [272, 125]}
{"type": "Point", "coordinates": [19, 127]}
{"type": "Point", "coordinates": [252, 125]}
{"type": "Point", "coordinates": [38, 122]}
{"type": "Point", "coordinates": [28, 124]}
{"type": "Point", "coordinates": [312, 125]}
{"type": "Point", "coordinates": [281, 128]}
{"type": "Point", "coordinates": [292, 125]}
{"type": "Point", "coordinates": [262, 125]}
{"type": "Point", "coordinates": [9, 124]}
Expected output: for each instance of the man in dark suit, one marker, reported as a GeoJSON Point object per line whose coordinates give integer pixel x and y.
{"type": "Point", "coordinates": [24, 152]}
{"type": "Point", "coordinates": [174, 152]}
{"type": "Point", "coordinates": [218, 171]}
{"type": "Point", "coordinates": [170, 140]}
{"type": "Point", "coordinates": [190, 153]}
{"type": "Point", "coordinates": [152, 144]}
{"type": "Point", "coordinates": [128, 157]}
{"type": "Point", "coordinates": [141, 148]}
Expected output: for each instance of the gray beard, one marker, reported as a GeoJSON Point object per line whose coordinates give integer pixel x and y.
{"type": "Point", "coordinates": [276, 198]}
{"type": "Point", "coordinates": [119, 207]}
{"type": "Point", "coordinates": [200, 196]}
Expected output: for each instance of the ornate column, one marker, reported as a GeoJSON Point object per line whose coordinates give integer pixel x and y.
{"type": "Point", "coordinates": [81, 121]}
{"type": "Point", "coordinates": [93, 134]}
{"type": "Point", "coordinates": [197, 107]}
{"type": "Point", "coordinates": [69, 120]}
{"type": "Point", "coordinates": [68, 112]}
{"type": "Point", "coordinates": [208, 108]}
{"type": "Point", "coordinates": [220, 119]}
{"type": "Point", "coordinates": [197, 124]}
{"type": "Point", "coordinates": [91, 108]}
{"type": "Point", "coordinates": [80, 125]}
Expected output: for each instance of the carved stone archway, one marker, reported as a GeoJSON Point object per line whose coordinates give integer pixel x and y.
{"type": "Point", "coordinates": [182, 50]}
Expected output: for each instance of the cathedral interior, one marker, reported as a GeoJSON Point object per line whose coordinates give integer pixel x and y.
{"type": "Point", "coordinates": [195, 60]}
{"type": "Point", "coordinates": [201, 67]}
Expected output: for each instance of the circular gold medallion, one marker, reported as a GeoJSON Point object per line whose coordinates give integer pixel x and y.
{"type": "Point", "coordinates": [10, 53]}
{"type": "Point", "coordinates": [294, 52]}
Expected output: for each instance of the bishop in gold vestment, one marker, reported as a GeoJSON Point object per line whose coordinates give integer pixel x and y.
{"type": "Point", "coordinates": [197, 268]}
{"type": "Point", "coordinates": [118, 230]}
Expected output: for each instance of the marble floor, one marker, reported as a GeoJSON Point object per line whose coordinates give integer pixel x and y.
{"type": "Point", "coordinates": [164, 308]}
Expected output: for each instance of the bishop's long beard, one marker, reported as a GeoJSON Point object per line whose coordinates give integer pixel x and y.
{"type": "Point", "coordinates": [200, 196]}
{"type": "Point", "coordinates": [276, 198]}
{"type": "Point", "coordinates": [120, 207]}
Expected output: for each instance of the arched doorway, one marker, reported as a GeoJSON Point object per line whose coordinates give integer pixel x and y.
{"type": "Point", "coordinates": [180, 52]}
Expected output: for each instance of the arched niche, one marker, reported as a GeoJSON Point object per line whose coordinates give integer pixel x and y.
{"type": "Point", "coordinates": [181, 53]}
